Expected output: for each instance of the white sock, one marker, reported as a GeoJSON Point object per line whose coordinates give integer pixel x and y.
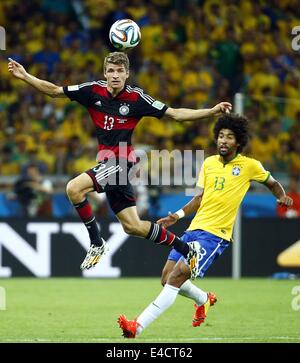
{"type": "Point", "coordinates": [191, 291]}
{"type": "Point", "coordinates": [163, 301]}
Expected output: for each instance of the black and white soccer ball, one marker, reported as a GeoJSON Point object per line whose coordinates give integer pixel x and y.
{"type": "Point", "coordinates": [124, 34]}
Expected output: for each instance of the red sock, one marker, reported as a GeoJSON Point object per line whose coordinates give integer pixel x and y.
{"type": "Point", "coordinates": [87, 216]}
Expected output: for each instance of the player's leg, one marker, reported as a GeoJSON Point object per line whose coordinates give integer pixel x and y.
{"type": "Point", "coordinates": [77, 190]}
{"type": "Point", "coordinates": [211, 248]}
{"type": "Point", "coordinates": [167, 269]}
{"type": "Point", "coordinates": [175, 256]}
{"type": "Point", "coordinates": [201, 308]}
{"type": "Point", "coordinates": [187, 289]}
{"type": "Point", "coordinates": [104, 177]}
{"type": "Point", "coordinates": [133, 225]}
{"type": "Point", "coordinates": [164, 300]}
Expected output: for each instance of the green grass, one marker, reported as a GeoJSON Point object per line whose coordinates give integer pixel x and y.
{"type": "Point", "coordinates": [86, 310]}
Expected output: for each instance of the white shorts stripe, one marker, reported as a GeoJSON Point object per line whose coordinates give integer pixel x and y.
{"type": "Point", "coordinates": [213, 252]}
{"type": "Point", "coordinates": [99, 174]}
{"type": "Point", "coordinates": [107, 173]}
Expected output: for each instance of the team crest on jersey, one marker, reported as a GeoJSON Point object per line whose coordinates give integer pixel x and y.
{"type": "Point", "coordinates": [124, 109]}
{"type": "Point", "coordinates": [236, 170]}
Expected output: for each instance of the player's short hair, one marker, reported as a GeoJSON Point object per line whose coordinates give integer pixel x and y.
{"type": "Point", "coordinates": [237, 124]}
{"type": "Point", "coordinates": [117, 58]}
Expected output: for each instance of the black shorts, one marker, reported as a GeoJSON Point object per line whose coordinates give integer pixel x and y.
{"type": "Point", "coordinates": [111, 177]}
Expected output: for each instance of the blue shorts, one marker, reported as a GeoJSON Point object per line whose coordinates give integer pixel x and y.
{"type": "Point", "coordinates": [211, 248]}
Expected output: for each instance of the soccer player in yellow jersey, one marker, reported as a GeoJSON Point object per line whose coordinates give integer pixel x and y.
{"type": "Point", "coordinates": [223, 181]}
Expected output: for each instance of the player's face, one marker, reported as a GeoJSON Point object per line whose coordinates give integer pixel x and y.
{"type": "Point", "coordinates": [226, 143]}
{"type": "Point", "coordinates": [116, 76]}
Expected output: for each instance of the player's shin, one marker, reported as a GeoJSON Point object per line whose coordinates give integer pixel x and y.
{"type": "Point", "coordinates": [191, 291]}
{"type": "Point", "coordinates": [160, 235]}
{"type": "Point", "coordinates": [164, 300]}
{"type": "Point", "coordinates": [87, 216]}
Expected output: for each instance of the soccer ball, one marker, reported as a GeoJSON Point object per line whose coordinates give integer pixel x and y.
{"type": "Point", "coordinates": [124, 34]}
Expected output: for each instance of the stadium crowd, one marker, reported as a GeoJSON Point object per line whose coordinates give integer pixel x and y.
{"type": "Point", "coordinates": [192, 54]}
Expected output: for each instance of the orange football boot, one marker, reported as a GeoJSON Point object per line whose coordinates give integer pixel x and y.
{"type": "Point", "coordinates": [201, 311]}
{"type": "Point", "coordinates": [129, 327]}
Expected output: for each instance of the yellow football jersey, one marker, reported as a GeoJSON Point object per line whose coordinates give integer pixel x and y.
{"type": "Point", "coordinates": [225, 186]}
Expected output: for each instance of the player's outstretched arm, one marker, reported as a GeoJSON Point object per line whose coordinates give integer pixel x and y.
{"type": "Point", "coordinates": [187, 114]}
{"type": "Point", "coordinates": [48, 88]}
{"type": "Point", "coordinates": [278, 191]}
{"type": "Point", "coordinates": [191, 207]}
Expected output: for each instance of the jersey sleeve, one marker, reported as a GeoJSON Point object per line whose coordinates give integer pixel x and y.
{"type": "Point", "coordinates": [79, 92]}
{"type": "Point", "coordinates": [257, 172]}
{"type": "Point", "coordinates": [148, 106]}
{"type": "Point", "coordinates": [200, 182]}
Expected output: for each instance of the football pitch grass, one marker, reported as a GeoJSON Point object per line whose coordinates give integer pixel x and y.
{"type": "Point", "coordinates": [86, 310]}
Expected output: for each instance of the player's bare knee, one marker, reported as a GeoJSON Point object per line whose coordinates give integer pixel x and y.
{"type": "Point", "coordinates": [70, 189]}
{"type": "Point", "coordinates": [74, 192]}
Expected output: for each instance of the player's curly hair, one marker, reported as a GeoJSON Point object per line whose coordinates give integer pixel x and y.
{"type": "Point", "coordinates": [237, 124]}
{"type": "Point", "coordinates": [117, 58]}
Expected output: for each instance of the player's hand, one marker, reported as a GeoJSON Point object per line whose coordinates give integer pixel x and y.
{"type": "Point", "coordinates": [285, 200]}
{"type": "Point", "coordinates": [168, 221]}
{"type": "Point", "coordinates": [223, 107]}
{"type": "Point", "coordinates": [16, 69]}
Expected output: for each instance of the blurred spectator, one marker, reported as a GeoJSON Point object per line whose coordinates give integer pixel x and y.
{"type": "Point", "coordinates": [74, 151]}
{"type": "Point", "coordinates": [33, 159]}
{"type": "Point", "coordinates": [33, 193]}
{"type": "Point", "coordinates": [263, 145]}
{"type": "Point", "coordinates": [75, 33]}
{"type": "Point", "coordinates": [282, 159]}
{"type": "Point", "coordinates": [294, 193]}
{"type": "Point", "coordinates": [49, 56]}
{"type": "Point", "coordinates": [295, 157]}
{"type": "Point", "coordinates": [229, 61]}
{"type": "Point", "coordinates": [9, 165]}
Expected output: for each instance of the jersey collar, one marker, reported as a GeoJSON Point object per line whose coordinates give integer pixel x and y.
{"type": "Point", "coordinates": [118, 95]}
{"type": "Point", "coordinates": [228, 161]}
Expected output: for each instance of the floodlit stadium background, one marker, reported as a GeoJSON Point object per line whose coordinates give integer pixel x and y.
{"type": "Point", "coordinates": [204, 53]}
